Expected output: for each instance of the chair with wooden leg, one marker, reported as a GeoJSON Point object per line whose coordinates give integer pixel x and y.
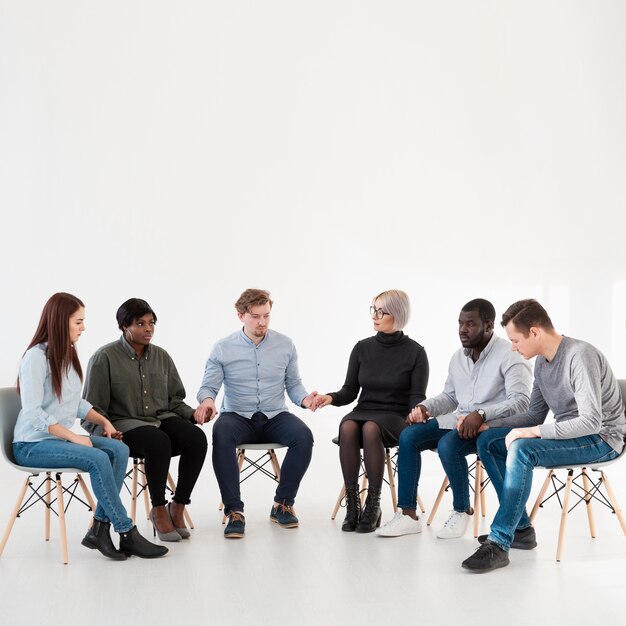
{"type": "Point", "coordinates": [250, 465]}
{"type": "Point", "coordinates": [584, 487]}
{"type": "Point", "coordinates": [478, 480]}
{"type": "Point", "coordinates": [139, 486]}
{"type": "Point", "coordinates": [391, 469]}
{"type": "Point", "coordinates": [47, 488]}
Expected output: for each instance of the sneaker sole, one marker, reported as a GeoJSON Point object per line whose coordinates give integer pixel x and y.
{"type": "Point", "coordinates": [234, 536]}
{"type": "Point", "coordinates": [488, 569]}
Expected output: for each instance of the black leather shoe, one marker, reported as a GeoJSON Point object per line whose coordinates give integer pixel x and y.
{"type": "Point", "coordinates": [98, 537]}
{"type": "Point", "coordinates": [370, 519]}
{"type": "Point", "coordinates": [132, 542]}
{"type": "Point", "coordinates": [353, 509]}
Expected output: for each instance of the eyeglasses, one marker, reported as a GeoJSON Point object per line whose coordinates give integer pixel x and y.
{"type": "Point", "coordinates": [378, 314]}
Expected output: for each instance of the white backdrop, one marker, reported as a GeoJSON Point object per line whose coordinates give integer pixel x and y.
{"type": "Point", "coordinates": [322, 150]}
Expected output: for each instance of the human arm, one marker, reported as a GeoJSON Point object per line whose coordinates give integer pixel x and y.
{"type": "Point", "coordinates": [531, 432]}
{"type": "Point", "coordinates": [212, 379]}
{"type": "Point", "coordinates": [535, 414]}
{"type": "Point", "coordinates": [417, 415]}
{"type": "Point", "coordinates": [293, 383]}
{"type": "Point", "coordinates": [206, 411]}
{"type": "Point", "coordinates": [419, 378]}
{"type": "Point", "coordinates": [108, 430]}
{"type": "Point", "coordinates": [351, 387]}
{"type": "Point", "coordinates": [176, 392]}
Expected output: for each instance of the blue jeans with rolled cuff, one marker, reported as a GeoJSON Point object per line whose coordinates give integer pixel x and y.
{"type": "Point", "coordinates": [511, 471]}
{"type": "Point", "coordinates": [106, 463]}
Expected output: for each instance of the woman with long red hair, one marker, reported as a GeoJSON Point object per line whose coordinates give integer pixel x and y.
{"type": "Point", "coordinates": [49, 383]}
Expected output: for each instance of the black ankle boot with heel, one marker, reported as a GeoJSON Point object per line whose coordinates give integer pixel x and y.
{"type": "Point", "coordinates": [370, 519]}
{"type": "Point", "coordinates": [353, 509]}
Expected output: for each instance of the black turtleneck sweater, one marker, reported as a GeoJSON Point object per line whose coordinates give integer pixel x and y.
{"type": "Point", "coordinates": [391, 371]}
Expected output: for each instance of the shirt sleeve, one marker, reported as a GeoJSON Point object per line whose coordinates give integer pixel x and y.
{"type": "Point", "coordinates": [586, 384]}
{"type": "Point", "coordinates": [176, 392]}
{"type": "Point", "coordinates": [535, 414]}
{"type": "Point", "coordinates": [446, 401]}
{"type": "Point", "coordinates": [419, 379]}
{"type": "Point", "coordinates": [32, 376]}
{"type": "Point", "coordinates": [213, 376]}
{"type": "Point", "coordinates": [97, 389]}
{"type": "Point", "coordinates": [351, 387]}
{"type": "Point", "coordinates": [293, 383]}
{"type": "Point", "coordinates": [517, 385]}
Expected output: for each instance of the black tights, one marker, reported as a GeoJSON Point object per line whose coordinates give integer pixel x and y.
{"type": "Point", "coordinates": [354, 435]}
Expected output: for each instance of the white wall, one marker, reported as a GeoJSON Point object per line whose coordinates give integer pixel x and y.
{"type": "Point", "coordinates": [326, 150]}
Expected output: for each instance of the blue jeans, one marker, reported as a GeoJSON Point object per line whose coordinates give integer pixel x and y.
{"type": "Point", "coordinates": [106, 463]}
{"type": "Point", "coordinates": [231, 430]}
{"type": "Point", "coordinates": [511, 471]}
{"type": "Point", "coordinates": [452, 452]}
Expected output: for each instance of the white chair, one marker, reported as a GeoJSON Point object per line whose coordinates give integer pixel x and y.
{"type": "Point", "coordinates": [390, 466]}
{"type": "Point", "coordinates": [589, 490]}
{"type": "Point", "coordinates": [248, 465]}
{"type": "Point", "coordinates": [41, 490]}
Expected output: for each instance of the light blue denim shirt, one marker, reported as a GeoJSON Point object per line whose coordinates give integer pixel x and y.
{"type": "Point", "coordinates": [40, 406]}
{"type": "Point", "coordinates": [499, 383]}
{"type": "Point", "coordinates": [255, 377]}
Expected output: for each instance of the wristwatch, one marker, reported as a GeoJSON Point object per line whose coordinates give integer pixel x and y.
{"type": "Point", "coordinates": [482, 414]}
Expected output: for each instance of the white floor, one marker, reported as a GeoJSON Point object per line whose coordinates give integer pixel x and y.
{"type": "Point", "coordinates": [314, 574]}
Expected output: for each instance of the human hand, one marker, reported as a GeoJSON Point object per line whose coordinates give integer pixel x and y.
{"type": "Point", "coordinates": [205, 412]}
{"type": "Point", "coordinates": [468, 425]}
{"type": "Point", "coordinates": [521, 433]}
{"type": "Point", "coordinates": [418, 415]}
{"type": "Point", "coordinates": [108, 430]}
{"type": "Point", "coordinates": [82, 440]}
{"type": "Point", "coordinates": [310, 401]}
{"type": "Point", "coordinates": [322, 400]}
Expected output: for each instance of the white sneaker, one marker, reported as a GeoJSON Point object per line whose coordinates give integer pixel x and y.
{"type": "Point", "coordinates": [455, 526]}
{"type": "Point", "coordinates": [400, 525]}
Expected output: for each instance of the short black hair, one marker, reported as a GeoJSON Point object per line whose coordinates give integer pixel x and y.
{"type": "Point", "coordinates": [131, 310]}
{"type": "Point", "coordinates": [486, 310]}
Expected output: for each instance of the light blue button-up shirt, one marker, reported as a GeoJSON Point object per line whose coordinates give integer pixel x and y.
{"type": "Point", "coordinates": [255, 377]}
{"type": "Point", "coordinates": [499, 383]}
{"type": "Point", "coordinates": [40, 406]}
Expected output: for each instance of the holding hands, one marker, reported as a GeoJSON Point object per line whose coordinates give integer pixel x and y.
{"type": "Point", "coordinates": [322, 400]}
{"type": "Point", "coordinates": [205, 412]}
{"type": "Point", "coordinates": [418, 415]}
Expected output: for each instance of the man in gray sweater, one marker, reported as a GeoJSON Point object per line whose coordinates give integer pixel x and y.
{"type": "Point", "coordinates": [574, 381]}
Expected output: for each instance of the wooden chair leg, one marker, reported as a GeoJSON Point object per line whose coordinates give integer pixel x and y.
{"type": "Point", "coordinates": [133, 493]}
{"type": "Point", "coordinates": [48, 499]}
{"type": "Point", "coordinates": [483, 506]}
{"type": "Point", "coordinates": [568, 489]}
{"type": "Point", "coordinates": [342, 493]}
{"type": "Point", "coordinates": [420, 504]}
{"type": "Point", "coordinates": [588, 502]}
{"type": "Point", "coordinates": [478, 477]}
{"type": "Point", "coordinates": [62, 527]}
{"type": "Point", "coordinates": [442, 490]}
{"type": "Point", "coordinates": [392, 484]}
{"type": "Point", "coordinates": [144, 486]}
{"type": "Point", "coordinates": [614, 503]}
{"type": "Point", "coordinates": [542, 493]}
{"type": "Point", "coordinates": [275, 463]}
{"type": "Point", "coordinates": [16, 510]}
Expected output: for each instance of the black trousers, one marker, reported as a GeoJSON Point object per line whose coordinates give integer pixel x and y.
{"type": "Point", "coordinates": [176, 436]}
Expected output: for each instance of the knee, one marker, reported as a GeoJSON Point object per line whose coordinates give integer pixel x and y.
{"type": "Point", "coordinates": [304, 437]}
{"type": "Point", "coordinates": [198, 441]}
{"type": "Point", "coordinates": [372, 432]}
{"type": "Point", "coordinates": [448, 445]}
{"type": "Point", "coordinates": [223, 434]}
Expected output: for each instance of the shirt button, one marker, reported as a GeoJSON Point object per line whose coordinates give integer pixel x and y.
{"type": "Point", "coordinates": [146, 406]}
{"type": "Point", "coordinates": [145, 391]}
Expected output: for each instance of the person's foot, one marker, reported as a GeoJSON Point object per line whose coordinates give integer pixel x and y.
{"type": "Point", "coordinates": [98, 537]}
{"type": "Point", "coordinates": [236, 527]}
{"type": "Point", "coordinates": [488, 556]}
{"type": "Point", "coordinates": [455, 526]}
{"type": "Point", "coordinates": [283, 515]}
{"type": "Point", "coordinates": [162, 524]}
{"type": "Point", "coordinates": [400, 525]}
{"type": "Point", "coordinates": [132, 542]}
{"type": "Point", "coordinates": [524, 539]}
{"type": "Point", "coordinates": [176, 511]}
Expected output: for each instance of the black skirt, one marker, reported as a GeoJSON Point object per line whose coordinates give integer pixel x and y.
{"type": "Point", "coordinates": [390, 424]}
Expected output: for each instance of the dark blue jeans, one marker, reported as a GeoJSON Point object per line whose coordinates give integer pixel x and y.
{"type": "Point", "coordinates": [511, 471]}
{"type": "Point", "coordinates": [452, 452]}
{"type": "Point", "coordinates": [231, 430]}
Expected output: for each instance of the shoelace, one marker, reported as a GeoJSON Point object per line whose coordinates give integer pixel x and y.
{"type": "Point", "coordinates": [285, 508]}
{"type": "Point", "coordinates": [453, 519]}
{"type": "Point", "coordinates": [236, 517]}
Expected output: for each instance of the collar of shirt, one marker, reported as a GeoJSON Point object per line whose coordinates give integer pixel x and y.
{"type": "Point", "coordinates": [131, 351]}
{"type": "Point", "coordinates": [485, 352]}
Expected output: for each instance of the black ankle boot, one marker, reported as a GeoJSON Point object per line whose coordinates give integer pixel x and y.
{"type": "Point", "coordinates": [370, 519]}
{"type": "Point", "coordinates": [98, 537]}
{"type": "Point", "coordinates": [353, 509]}
{"type": "Point", "coordinates": [133, 543]}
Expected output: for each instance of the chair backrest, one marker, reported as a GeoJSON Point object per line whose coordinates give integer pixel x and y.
{"type": "Point", "coordinates": [10, 405]}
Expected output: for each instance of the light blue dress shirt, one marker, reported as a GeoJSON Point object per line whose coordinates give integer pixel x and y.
{"type": "Point", "coordinates": [255, 377]}
{"type": "Point", "coordinates": [40, 406]}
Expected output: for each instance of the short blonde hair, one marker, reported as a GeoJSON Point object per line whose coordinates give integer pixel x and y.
{"type": "Point", "coordinates": [396, 303]}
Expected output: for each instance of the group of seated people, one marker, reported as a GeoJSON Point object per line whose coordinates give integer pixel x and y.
{"type": "Point", "coordinates": [132, 403]}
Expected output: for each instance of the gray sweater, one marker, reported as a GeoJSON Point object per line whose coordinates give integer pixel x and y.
{"type": "Point", "coordinates": [579, 387]}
